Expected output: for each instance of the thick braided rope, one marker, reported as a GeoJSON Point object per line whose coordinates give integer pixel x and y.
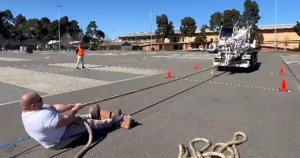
{"type": "Point", "coordinates": [86, 147]}
{"type": "Point", "coordinates": [146, 88]}
{"type": "Point", "coordinates": [217, 150]}
{"type": "Point", "coordinates": [90, 132]}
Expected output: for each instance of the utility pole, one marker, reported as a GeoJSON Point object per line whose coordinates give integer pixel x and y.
{"type": "Point", "coordinates": [59, 6]}
{"type": "Point", "coordinates": [275, 31]}
{"type": "Point", "coordinates": [151, 29]}
{"type": "Point", "coordinates": [114, 34]}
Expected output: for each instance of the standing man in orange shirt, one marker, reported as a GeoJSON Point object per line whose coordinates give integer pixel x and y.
{"type": "Point", "coordinates": [80, 56]}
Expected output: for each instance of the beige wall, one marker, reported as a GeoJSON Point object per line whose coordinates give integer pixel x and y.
{"type": "Point", "coordinates": [285, 38]}
{"type": "Point", "coordinates": [148, 47]}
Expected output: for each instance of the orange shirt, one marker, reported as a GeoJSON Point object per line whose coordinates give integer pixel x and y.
{"type": "Point", "coordinates": [80, 51]}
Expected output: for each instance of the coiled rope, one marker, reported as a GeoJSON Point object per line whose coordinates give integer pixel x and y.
{"type": "Point", "coordinates": [217, 150]}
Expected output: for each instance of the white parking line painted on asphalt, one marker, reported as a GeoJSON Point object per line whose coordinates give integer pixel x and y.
{"type": "Point", "coordinates": [13, 59]}
{"type": "Point", "coordinates": [291, 59]}
{"type": "Point", "coordinates": [235, 85]}
{"type": "Point", "coordinates": [129, 70]}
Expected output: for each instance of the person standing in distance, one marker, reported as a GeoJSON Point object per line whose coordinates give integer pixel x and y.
{"type": "Point", "coordinates": [80, 56]}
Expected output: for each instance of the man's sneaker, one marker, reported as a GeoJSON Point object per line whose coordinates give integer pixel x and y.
{"type": "Point", "coordinates": [95, 114]}
{"type": "Point", "coordinates": [117, 117]}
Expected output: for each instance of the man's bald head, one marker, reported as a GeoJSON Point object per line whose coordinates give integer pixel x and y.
{"type": "Point", "coordinates": [28, 99]}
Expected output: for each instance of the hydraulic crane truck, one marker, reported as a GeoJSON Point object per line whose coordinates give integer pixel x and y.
{"type": "Point", "coordinates": [234, 48]}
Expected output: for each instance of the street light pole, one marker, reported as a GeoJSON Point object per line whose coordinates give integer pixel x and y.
{"type": "Point", "coordinates": [114, 34]}
{"type": "Point", "coordinates": [275, 31]}
{"type": "Point", "coordinates": [59, 6]}
{"type": "Point", "coordinates": [151, 29]}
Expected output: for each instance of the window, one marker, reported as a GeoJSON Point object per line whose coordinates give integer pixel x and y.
{"type": "Point", "coordinates": [226, 32]}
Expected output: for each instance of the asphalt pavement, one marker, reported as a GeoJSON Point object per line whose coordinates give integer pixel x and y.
{"type": "Point", "coordinates": [165, 116]}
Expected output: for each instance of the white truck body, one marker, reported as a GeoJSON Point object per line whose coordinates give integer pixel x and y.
{"type": "Point", "coordinates": [234, 49]}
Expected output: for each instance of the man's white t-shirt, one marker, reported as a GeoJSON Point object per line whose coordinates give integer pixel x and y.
{"type": "Point", "coordinates": [40, 125]}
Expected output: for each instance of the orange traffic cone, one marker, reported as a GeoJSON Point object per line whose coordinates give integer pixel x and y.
{"type": "Point", "coordinates": [169, 74]}
{"type": "Point", "coordinates": [284, 87]}
{"type": "Point", "coordinates": [281, 72]}
{"type": "Point", "coordinates": [196, 65]}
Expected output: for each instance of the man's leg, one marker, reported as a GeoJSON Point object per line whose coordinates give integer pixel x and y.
{"type": "Point", "coordinates": [99, 124]}
{"type": "Point", "coordinates": [94, 123]}
{"type": "Point", "coordinates": [77, 63]}
{"type": "Point", "coordinates": [73, 130]}
{"type": "Point", "coordinates": [82, 62]}
{"type": "Point", "coordinates": [77, 128]}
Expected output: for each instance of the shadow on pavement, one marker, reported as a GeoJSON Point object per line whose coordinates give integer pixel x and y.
{"type": "Point", "coordinates": [242, 70]}
{"type": "Point", "coordinates": [98, 136]}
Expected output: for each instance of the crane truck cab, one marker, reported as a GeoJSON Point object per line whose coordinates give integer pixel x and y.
{"type": "Point", "coordinates": [224, 35]}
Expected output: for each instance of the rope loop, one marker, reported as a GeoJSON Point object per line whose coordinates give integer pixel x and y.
{"type": "Point", "coordinates": [216, 152]}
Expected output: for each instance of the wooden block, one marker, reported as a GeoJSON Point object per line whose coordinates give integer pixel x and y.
{"type": "Point", "coordinates": [104, 114]}
{"type": "Point", "coordinates": [127, 120]}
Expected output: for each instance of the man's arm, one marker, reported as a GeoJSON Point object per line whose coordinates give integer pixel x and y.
{"type": "Point", "coordinates": [55, 120]}
{"type": "Point", "coordinates": [60, 108]}
{"type": "Point", "coordinates": [66, 119]}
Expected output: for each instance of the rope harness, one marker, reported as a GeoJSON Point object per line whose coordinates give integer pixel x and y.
{"type": "Point", "coordinates": [217, 150]}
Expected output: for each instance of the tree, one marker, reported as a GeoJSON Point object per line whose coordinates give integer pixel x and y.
{"type": "Point", "coordinates": [19, 23]}
{"type": "Point", "coordinates": [1, 22]}
{"type": "Point", "coordinates": [216, 21]}
{"type": "Point", "coordinates": [297, 28]}
{"type": "Point", "coordinates": [19, 28]}
{"type": "Point", "coordinates": [7, 25]}
{"type": "Point", "coordinates": [230, 17]}
{"type": "Point", "coordinates": [251, 14]}
{"type": "Point", "coordinates": [73, 29]}
{"type": "Point", "coordinates": [99, 35]}
{"type": "Point", "coordinates": [205, 26]}
{"type": "Point", "coordinates": [53, 30]}
{"type": "Point", "coordinates": [79, 35]}
{"type": "Point", "coordinates": [93, 33]}
{"type": "Point", "coordinates": [165, 28]}
{"type": "Point", "coordinates": [64, 24]}
{"type": "Point", "coordinates": [33, 29]}
{"type": "Point", "coordinates": [45, 22]}
{"type": "Point", "coordinates": [188, 27]}
{"type": "Point", "coordinates": [201, 38]}
{"type": "Point", "coordinates": [69, 27]}
{"type": "Point", "coordinates": [85, 39]}
{"type": "Point", "coordinates": [66, 39]}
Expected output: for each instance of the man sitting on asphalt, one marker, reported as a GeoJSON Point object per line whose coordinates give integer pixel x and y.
{"type": "Point", "coordinates": [53, 130]}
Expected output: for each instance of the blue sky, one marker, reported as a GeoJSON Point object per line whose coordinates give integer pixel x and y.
{"type": "Point", "coordinates": [131, 16]}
